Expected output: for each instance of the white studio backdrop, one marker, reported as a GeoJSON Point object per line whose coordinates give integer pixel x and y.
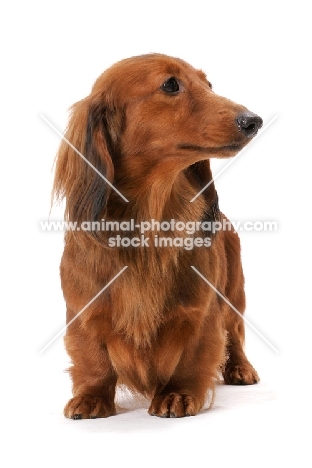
{"type": "Point", "coordinates": [256, 54]}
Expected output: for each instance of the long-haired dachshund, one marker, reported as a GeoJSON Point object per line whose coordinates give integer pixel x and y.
{"type": "Point", "coordinates": [146, 133]}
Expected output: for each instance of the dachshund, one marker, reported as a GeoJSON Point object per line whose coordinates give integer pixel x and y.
{"type": "Point", "coordinates": [136, 151]}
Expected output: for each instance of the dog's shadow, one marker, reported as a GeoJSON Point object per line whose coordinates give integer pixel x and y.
{"type": "Point", "coordinates": [132, 411]}
{"type": "Point", "coordinates": [127, 401]}
{"type": "Point", "coordinates": [226, 397]}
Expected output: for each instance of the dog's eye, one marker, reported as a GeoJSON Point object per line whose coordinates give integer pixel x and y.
{"type": "Point", "coordinates": [171, 86]}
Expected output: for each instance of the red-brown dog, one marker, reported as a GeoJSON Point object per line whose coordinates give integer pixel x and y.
{"type": "Point", "coordinates": [150, 126]}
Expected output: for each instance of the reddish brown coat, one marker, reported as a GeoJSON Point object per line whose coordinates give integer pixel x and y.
{"type": "Point", "coordinates": [159, 328]}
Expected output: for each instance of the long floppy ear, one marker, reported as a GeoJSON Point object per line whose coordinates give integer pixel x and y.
{"type": "Point", "coordinates": [85, 191]}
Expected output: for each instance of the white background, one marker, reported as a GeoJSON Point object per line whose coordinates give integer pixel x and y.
{"type": "Point", "coordinates": [255, 53]}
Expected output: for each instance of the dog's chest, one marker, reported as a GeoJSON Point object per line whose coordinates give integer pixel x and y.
{"type": "Point", "coordinates": [151, 289]}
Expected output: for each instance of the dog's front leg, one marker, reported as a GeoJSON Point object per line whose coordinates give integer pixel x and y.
{"type": "Point", "coordinates": [93, 377]}
{"type": "Point", "coordinates": [237, 369]}
{"type": "Point", "coordinates": [195, 374]}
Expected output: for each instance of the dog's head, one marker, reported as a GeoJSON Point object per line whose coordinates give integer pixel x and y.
{"type": "Point", "coordinates": [146, 117]}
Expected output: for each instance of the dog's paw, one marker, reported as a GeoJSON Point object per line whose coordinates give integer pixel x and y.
{"type": "Point", "coordinates": [88, 407]}
{"type": "Point", "coordinates": [174, 405]}
{"type": "Point", "coordinates": [243, 374]}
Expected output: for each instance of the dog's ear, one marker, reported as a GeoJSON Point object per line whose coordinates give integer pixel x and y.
{"type": "Point", "coordinates": [84, 161]}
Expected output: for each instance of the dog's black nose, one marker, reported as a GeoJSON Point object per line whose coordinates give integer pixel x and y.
{"type": "Point", "coordinates": [249, 123]}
